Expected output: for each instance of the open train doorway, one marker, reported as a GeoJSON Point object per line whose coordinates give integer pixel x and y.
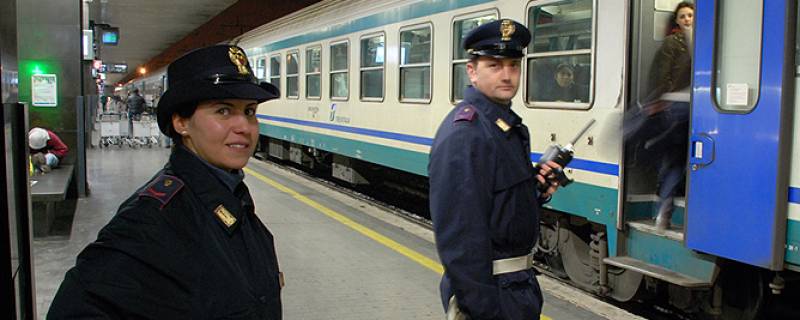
{"type": "Point", "coordinates": [656, 124]}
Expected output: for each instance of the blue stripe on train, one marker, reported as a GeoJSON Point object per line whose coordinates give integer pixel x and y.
{"type": "Point", "coordinates": [367, 132]}
{"type": "Point", "coordinates": [582, 164]}
{"type": "Point", "coordinates": [794, 195]}
{"type": "Point", "coordinates": [587, 165]}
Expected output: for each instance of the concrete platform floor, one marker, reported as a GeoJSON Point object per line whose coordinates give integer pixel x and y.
{"type": "Point", "coordinates": [342, 258]}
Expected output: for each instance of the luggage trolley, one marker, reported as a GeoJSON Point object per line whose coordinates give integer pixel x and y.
{"type": "Point", "coordinates": [110, 130]}
{"type": "Point", "coordinates": [143, 133]}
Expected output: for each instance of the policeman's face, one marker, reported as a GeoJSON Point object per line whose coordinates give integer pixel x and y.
{"type": "Point", "coordinates": [222, 132]}
{"type": "Point", "coordinates": [498, 79]}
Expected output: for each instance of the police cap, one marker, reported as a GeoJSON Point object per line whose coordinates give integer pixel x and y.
{"type": "Point", "coordinates": [216, 72]}
{"type": "Point", "coordinates": [504, 38]}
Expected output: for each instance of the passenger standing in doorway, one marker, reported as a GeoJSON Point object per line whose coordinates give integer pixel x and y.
{"type": "Point", "coordinates": [484, 198]}
{"type": "Point", "coordinates": [188, 244]}
{"type": "Point", "coordinates": [668, 114]}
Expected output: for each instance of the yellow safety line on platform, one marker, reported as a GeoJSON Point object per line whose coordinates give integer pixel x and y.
{"type": "Point", "coordinates": [411, 254]}
{"type": "Point", "coordinates": [391, 244]}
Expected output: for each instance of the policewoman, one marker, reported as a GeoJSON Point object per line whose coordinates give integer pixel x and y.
{"type": "Point", "coordinates": [188, 244]}
{"type": "Point", "coordinates": [484, 194]}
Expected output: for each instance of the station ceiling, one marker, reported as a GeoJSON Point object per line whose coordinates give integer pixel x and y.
{"type": "Point", "coordinates": [152, 33]}
{"type": "Point", "coordinates": [148, 27]}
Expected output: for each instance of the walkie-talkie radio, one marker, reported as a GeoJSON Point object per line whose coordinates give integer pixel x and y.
{"type": "Point", "coordinates": [562, 156]}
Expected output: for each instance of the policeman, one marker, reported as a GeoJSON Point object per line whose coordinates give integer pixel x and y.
{"type": "Point", "coordinates": [188, 244]}
{"type": "Point", "coordinates": [484, 195]}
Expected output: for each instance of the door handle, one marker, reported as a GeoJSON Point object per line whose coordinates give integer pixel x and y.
{"type": "Point", "coordinates": [701, 151]}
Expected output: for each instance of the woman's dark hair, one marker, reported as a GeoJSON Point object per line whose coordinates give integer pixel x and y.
{"type": "Point", "coordinates": [184, 111]}
{"type": "Point", "coordinates": [673, 26]}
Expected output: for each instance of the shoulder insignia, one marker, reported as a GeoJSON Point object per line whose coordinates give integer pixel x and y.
{"type": "Point", "coordinates": [466, 113]}
{"type": "Point", "coordinates": [503, 125]}
{"type": "Point", "coordinates": [163, 189]}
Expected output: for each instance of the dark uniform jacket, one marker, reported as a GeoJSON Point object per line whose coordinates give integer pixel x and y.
{"type": "Point", "coordinates": [168, 254]}
{"type": "Point", "coordinates": [484, 206]}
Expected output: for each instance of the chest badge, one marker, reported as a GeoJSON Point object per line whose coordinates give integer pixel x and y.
{"type": "Point", "coordinates": [503, 125]}
{"type": "Point", "coordinates": [225, 216]}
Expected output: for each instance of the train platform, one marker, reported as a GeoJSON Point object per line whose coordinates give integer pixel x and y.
{"type": "Point", "coordinates": [343, 257]}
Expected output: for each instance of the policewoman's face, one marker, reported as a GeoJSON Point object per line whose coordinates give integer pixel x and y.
{"type": "Point", "coordinates": [498, 79]}
{"type": "Point", "coordinates": [222, 132]}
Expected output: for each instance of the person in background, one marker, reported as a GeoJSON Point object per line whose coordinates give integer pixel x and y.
{"type": "Point", "coordinates": [135, 104]}
{"type": "Point", "coordinates": [566, 90]}
{"type": "Point", "coordinates": [666, 127]}
{"type": "Point", "coordinates": [484, 191]}
{"type": "Point", "coordinates": [46, 149]}
{"type": "Point", "coordinates": [188, 244]}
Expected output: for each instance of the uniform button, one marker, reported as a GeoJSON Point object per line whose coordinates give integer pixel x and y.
{"type": "Point", "coordinates": [263, 299]}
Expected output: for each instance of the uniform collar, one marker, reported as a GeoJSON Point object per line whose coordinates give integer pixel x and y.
{"type": "Point", "coordinates": [231, 179]}
{"type": "Point", "coordinates": [503, 118]}
{"type": "Point", "coordinates": [222, 203]}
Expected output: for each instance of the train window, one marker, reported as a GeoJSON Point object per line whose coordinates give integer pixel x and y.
{"type": "Point", "coordinates": [340, 86]}
{"type": "Point", "coordinates": [373, 50]}
{"type": "Point", "coordinates": [461, 28]}
{"type": "Point", "coordinates": [313, 70]}
{"type": "Point", "coordinates": [559, 56]}
{"type": "Point", "coordinates": [415, 64]}
{"type": "Point", "coordinates": [738, 54]}
{"type": "Point", "coordinates": [261, 66]}
{"type": "Point", "coordinates": [292, 77]}
{"type": "Point", "coordinates": [275, 71]}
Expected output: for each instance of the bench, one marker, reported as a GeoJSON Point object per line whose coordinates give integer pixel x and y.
{"type": "Point", "coordinates": [50, 188]}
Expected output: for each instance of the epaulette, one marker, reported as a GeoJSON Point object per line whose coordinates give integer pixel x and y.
{"type": "Point", "coordinates": [162, 189]}
{"type": "Point", "coordinates": [467, 113]}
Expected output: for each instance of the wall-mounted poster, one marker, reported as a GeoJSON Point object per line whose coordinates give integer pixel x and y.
{"type": "Point", "coordinates": [44, 90]}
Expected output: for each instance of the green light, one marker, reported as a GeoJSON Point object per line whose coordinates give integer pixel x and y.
{"type": "Point", "coordinates": [37, 70]}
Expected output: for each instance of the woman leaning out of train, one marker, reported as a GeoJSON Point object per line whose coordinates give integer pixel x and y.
{"type": "Point", "coordinates": [188, 244]}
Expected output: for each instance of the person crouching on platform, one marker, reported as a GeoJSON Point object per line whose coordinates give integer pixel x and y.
{"type": "Point", "coordinates": [484, 191]}
{"type": "Point", "coordinates": [188, 244]}
{"type": "Point", "coordinates": [46, 149]}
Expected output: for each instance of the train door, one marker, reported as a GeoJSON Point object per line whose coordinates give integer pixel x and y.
{"type": "Point", "coordinates": [740, 130]}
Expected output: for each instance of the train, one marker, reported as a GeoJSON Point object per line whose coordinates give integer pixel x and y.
{"type": "Point", "coordinates": [365, 84]}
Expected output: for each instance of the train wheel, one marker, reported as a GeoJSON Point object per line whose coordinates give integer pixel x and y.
{"type": "Point", "coordinates": [547, 250]}
{"type": "Point", "coordinates": [574, 251]}
{"type": "Point", "coordinates": [581, 258]}
{"type": "Point", "coordinates": [743, 292]}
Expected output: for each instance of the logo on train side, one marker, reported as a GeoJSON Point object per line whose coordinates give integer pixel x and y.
{"type": "Point", "coordinates": [339, 118]}
{"type": "Point", "coordinates": [313, 111]}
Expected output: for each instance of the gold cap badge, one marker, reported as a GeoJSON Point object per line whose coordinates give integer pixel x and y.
{"type": "Point", "coordinates": [225, 216]}
{"type": "Point", "coordinates": [167, 182]}
{"type": "Point", "coordinates": [507, 28]}
{"type": "Point", "coordinates": [239, 59]}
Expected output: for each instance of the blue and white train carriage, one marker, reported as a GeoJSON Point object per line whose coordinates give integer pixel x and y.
{"type": "Point", "coordinates": [367, 81]}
